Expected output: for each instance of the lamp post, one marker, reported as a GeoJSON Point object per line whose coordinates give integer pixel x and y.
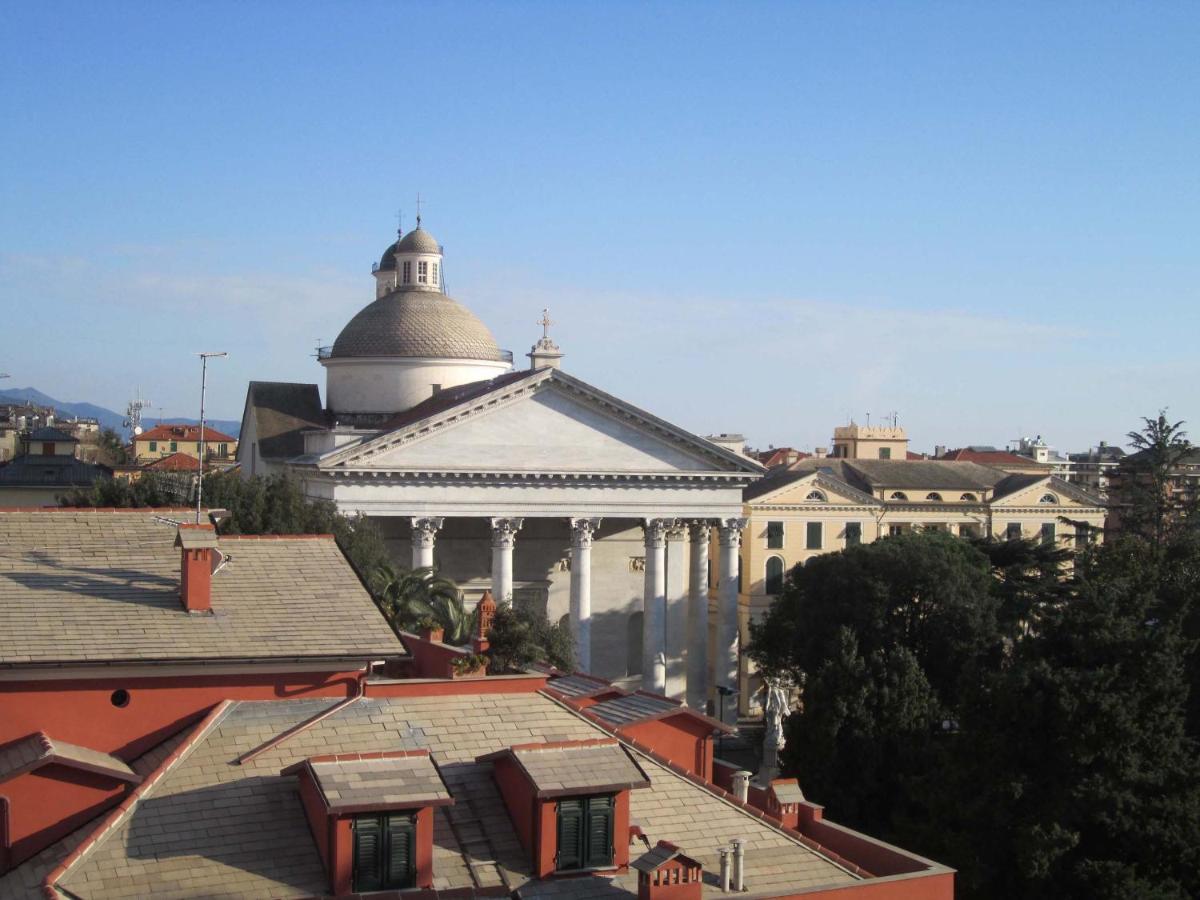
{"type": "Point", "coordinates": [723, 691]}
{"type": "Point", "coordinates": [204, 358]}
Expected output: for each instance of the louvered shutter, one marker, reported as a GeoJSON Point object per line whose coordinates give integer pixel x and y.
{"type": "Point", "coordinates": [599, 832]}
{"type": "Point", "coordinates": [570, 834]}
{"type": "Point", "coordinates": [368, 856]}
{"type": "Point", "coordinates": [400, 838]}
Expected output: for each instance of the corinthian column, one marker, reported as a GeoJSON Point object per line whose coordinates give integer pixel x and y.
{"type": "Point", "coordinates": [727, 603]}
{"type": "Point", "coordinates": [423, 533]}
{"type": "Point", "coordinates": [582, 531]}
{"type": "Point", "coordinates": [677, 609]}
{"type": "Point", "coordinates": [654, 600]}
{"type": "Point", "coordinates": [697, 618]}
{"type": "Point", "coordinates": [504, 536]}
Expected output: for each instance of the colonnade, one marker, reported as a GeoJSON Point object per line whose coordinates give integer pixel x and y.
{"type": "Point", "coordinates": [675, 632]}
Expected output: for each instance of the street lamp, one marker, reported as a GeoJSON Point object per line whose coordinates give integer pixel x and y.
{"type": "Point", "coordinates": [204, 358]}
{"type": "Point", "coordinates": [723, 691]}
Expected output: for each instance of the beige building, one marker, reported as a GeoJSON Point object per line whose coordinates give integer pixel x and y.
{"type": "Point", "coordinates": [823, 505]}
{"type": "Point", "coordinates": [855, 441]}
{"type": "Point", "coordinates": [165, 440]}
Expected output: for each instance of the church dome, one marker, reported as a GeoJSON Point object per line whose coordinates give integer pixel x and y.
{"type": "Point", "coordinates": [416, 322]}
{"type": "Point", "coordinates": [418, 241]}
{"type": "Point", "coordinates": [387, 262]}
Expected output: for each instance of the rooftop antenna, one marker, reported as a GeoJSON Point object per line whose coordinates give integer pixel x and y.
{"type": "Point", "coordinates": [868, 420]}
{"type": "Point", "coordinates": [895, 419]}
{"type": "Point", "coordinates": [204, 358]}
{"type": "Point", "coordinates": [133, 414]}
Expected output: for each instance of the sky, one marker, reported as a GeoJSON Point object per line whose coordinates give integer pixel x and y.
{"type": "Point", "coordinates": [759, 218]}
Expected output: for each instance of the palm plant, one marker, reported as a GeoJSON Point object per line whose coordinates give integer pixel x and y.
{"type": "Point", "coordinates": [409, 595]}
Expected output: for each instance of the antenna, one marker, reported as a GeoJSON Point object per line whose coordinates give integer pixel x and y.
{"type": "Point", "coordinates": [133, 414]}
{"type": "Point", "coordinates": [204, 358]}
{"type": "Point", "coordinates": [418, 209]}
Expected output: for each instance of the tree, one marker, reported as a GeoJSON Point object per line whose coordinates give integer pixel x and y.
{"type": "Point", "coordinates": [520, 638]}
{"type": "Point", "coordinates": [111, 450]}
{"type": "Point", "coordinates": [409, 596]}
{"type": "Point", "coordinates": [1148, 474]}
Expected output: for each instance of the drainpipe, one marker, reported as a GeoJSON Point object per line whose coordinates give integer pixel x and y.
{"type": "Point", "coordinates": [724, 851]}
{"type": "Point", "coordinates": [739, 864]}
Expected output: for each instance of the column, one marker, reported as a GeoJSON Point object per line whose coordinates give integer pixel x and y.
{"type": "Point", "coordinates": [677, 609]}
{"type": "Point", "coordinates": [424, 530]}
{"type": "Point", "coordinates": [697, 619]}
{"type": "Point", "coordinates": [727, 604]}
{"type": "Point", "coordinates": [582, 531]}
{"type": "Point", "coordinates": [654, 662]}
{"type": "Point", "coordinates": [504, 535]}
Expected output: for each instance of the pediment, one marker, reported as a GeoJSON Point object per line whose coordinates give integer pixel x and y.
{"type": "Point", "coordinates": [548, 423]}
{"type": "Point", "coordinates": [796, 493]}
{"type": "Point", "coordinates": [1068, 496]}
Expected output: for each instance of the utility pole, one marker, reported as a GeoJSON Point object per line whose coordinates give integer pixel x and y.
{"type": "Point", "coordinates": [204, 358]}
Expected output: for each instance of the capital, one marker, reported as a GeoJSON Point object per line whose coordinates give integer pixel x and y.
{"type": "Point", "coordinates": [424, 530]}
{"type": "Point", "coordinates": [504, 532]}
{"type": "Point", "coordinates": [700, 531]}
{"type": "Point", "coordinates": [731, 531]}
{"type": "Point", "coordinates": [676, 529]}
{"type": "Point", "coordinates": [582, 532]}
{"type": "Point", "coordinates": [656, 531]}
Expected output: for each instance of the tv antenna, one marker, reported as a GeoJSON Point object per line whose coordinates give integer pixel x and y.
{"type": "Point", "coordinates": [133, 414]}
{"type": "Point", "coordinates": [204, 358]}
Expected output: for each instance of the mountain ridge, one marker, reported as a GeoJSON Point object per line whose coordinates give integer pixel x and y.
{"type": "Point", "coordinates": [106, 417]}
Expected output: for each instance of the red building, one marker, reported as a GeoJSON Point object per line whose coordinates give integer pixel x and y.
{"type": "Point", "coordinates": [187, 715]}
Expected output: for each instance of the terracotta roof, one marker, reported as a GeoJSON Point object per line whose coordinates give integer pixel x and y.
{"type": "Point", "coordinates": [184, 433]}
{"type": "Point", "coordinates": [998, 458]}
{"type": "Point", "coordinates": [359, 782]}
{"type": "Point", "coordinates": [281, 412]}
{"type": "Point", "coordinates": [240, 831]}
{"type": "Point", "coordinates": [563, 768]}
{"type": "Point", "coordinates": [176, 462]}
{"type": "Point", "coordinates": [36, 750]}
{"type": "Point", "coordinates": [91, 586]}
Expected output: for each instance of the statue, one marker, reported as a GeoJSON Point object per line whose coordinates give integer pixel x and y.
{"type": "Point", "coordinates": [778, 706]}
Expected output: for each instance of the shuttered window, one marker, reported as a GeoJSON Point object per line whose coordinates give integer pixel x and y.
{"type": "Point", "coordinates": [774, 535]}
{"type": "Point", "coordinates": [853, 534]}
{"type": "Point", "coordinates": [383, 852]}
{"type": "Point", "coordinates": [585, 833]}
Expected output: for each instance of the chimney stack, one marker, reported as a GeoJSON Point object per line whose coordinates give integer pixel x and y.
{"type": "Point", "coordinates": [483, 623]}
{"type": "Point", "coordinates": [198, 546]}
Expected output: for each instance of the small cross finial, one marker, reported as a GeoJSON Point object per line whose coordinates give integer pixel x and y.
{"type": "Point", "coordinates": [399, 223]}
{"type": "Point", "coordinates": [418, 209]}
{"type": "Point", "coordinates": [545, 321]}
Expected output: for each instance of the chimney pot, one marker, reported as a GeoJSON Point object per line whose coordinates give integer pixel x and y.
{"type": "Point", "coordinates": [739, 864]}
{"type": "Point", "coordinates": [741, 785]}
{"type": "Point", "coordinates": [725, 852]}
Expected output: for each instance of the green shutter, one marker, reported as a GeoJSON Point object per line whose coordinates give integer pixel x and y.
{"type": "Point", "coordinates": [367, 854]}
{"type": "Point", "coordinates": [570, 834]}
{"type": "Point", "coordinates": [599, 833]}
{"type": "Point", "coordinates": [400, 864]}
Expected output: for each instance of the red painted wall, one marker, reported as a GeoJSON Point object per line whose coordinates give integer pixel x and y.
{"type": "Point", "coordinates": [424, 847]}
{"type": "Point", "coordinates": [877, 858]}
{"type": "Point", "coordinates": [936, 886]}
{"type": "Point", "coordinates": [494, 684]}
{"type": "Point", "coordinates": [318, 818]}
{"type": "Point", "coordinates": [546, 836]}
{"type": "Point", "coordinates": [519, 801]}
{"type": "Point", "coordinates": [341, 875]}
{"type": "Point", "coordinates": [81, 711]}
{"type": "Point", "coordinates": [681, 739]}
{"type": "Point", "coordinates": [45, 805]}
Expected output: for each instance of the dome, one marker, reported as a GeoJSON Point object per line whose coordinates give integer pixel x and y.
{"type": "Point", "coordinates": [417, 241]}
{"type": "Point", "coordinates": [387, 262]}
{"type": "Point", "coordinates": [415, 322]}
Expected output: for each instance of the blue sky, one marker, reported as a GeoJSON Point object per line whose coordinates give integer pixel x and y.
{"type": "Point", "coordinates": [755, 217]}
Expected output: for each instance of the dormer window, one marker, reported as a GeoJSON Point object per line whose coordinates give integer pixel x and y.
{"type": "Point", "coordinates": [933, 497]}
{"type": "Point", "coordinates": [899, 495]}
{"type": "Point", "coordinates": [384, 852]}
{"type": "Point", "coordinates": [422, 272]}
{"type": "Point", "coordinates": [585, 833]}
{"type": "Point", "coordinates": [407, 272]}
{"type": "Point", "coordinates": [433, 277]}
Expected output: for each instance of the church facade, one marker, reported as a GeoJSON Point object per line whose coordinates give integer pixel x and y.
{"type": "Point", "coordinates": [530, 483]}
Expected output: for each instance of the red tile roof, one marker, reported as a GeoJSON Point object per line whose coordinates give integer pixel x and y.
{"type": "Point", "coordinates": [998, 458]}
{"type": "Point", "coordinates": [184, 433]}
{"type": "Point", "coordinates": [176, 462]}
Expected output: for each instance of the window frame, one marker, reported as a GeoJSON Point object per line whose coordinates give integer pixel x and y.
{"type": "Point", "coordinates": [856, 540]}
{"type": "Point", "coordinates": [782, 535]}
{"type": "Point", "coordinates": [773, 583]}
{"type": "Point", "coordinates": [808, 536]}
{"type": "Point", "coordinates": [885, 452]}
{"type": "Point", "coordinates": [1014, 531]}
{"type": "Point", "coordinates": [406, 271]}
{"type": "Point", "coordinates": [592, 807]}
{"type": "Point", "coordinates": [422, 271]}
{"type": "Point", "coordinates": [1048, 534]}
{"type": "Point", "coordinates": [385, 824]}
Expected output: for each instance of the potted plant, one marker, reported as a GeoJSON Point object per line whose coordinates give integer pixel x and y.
{"type": "Point", "coordinates": [473, 665]}
{"type": "Point", "coordinates": [430, 629]}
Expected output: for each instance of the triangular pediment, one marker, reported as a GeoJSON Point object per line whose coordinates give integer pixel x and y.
{"type": "Point", "coordinates": [1066, 495]}
{"type": "Point", "coordinates": [804, 492]}
{"type": "Point", "coordinates": [546, 423]}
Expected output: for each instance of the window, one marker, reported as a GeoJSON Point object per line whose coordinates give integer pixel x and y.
{"type": "Point", "coordinates": [1048, 498]}
{"type": "Point", "coordinates": [154, 446]}
{"type": "Point", "coordinates": [435, 389]}
{"type": "Point", "coordinates": [222, 449]}
{"type": "Point", "coordinates": [853, 534]}
{"type": "Point", "coordinates": [585, 833]}
{"type": "Point", "coordinates": [774, 535]}
{"type": "Point", "coordinates": [407, 272]}
{"type": "Point", "coordinates": [383, 852]}
{"type": "Point", "coordinates": [1083, 537]}
{"type": "Point", "coordinates": [813, 535]}
{"type": "Point", "coordinates": [898, 495]}
{"type": "Point", "coordinates": [708, 578]}
{"type": "Point", "coordinates": [933, 497]}
{"type": "Point", "coordinates": [968, 498]}
{"type": "Point", "coordinates": [1048, 533]}
{"type": "Point", "coordinates": [119, 698]}
{"type": "Point", "coordinates": [434, 274]}
{"type": "Point", "coordinates": [48, 448]}
{"type": "Point", "coordinates": [1013, 532]}
{"type": "Point", "coordinates": [174, 446]}
{"type": "Point", "coordinates": [895, 530]}
{"type": "Point", "coordinates": [774, 575]}
{"type": "Point", "coordinates": [885, 452]}
{"type": "Point", "coordinates": [422, 272]}
{"type": "Point", "coordinates": [815, 496]}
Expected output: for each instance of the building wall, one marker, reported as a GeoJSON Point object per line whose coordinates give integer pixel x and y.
{"type": "Point", "coordinates": [19, 495]}
{"type": "Point", "coordinates": [144, 454]}
{"type": "Point", "coordinates": [379, 385]}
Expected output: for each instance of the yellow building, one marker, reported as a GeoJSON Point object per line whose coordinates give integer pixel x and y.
{"type": "Point", "coordinates": [822, 505]}
{"type": "Point", "coordinates": [165, 440]}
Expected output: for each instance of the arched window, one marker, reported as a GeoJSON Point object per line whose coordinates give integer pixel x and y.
{"type": "Point", "coordinates": [816, 496]}
{"type": "Point", "coordinates": [899, 495]}
{"type": "Point", "coordinates": [1048, 498]}
{"type": "Point", "coordinates": [633, 644]}
{"type": "Point", "coordinates": [933, 497]}
{"type": "Point", "coordinates": [969, 498]}
{"type": "Point", "coordinates": [774, 575]}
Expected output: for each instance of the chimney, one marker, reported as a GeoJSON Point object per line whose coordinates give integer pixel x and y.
{"type": "Point", "coordinates": [483, 626]}
{"type": "Point", "coordinates": [198, 547]}
{"type": "Point", "coordinates": [820, 452]}
{"type": "Point", "coordinates": [939, 451]}
{"type": "Point", "coordinates": [741, 784]}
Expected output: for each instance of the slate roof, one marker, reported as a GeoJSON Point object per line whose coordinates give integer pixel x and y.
{"type": "Point", "coordinates": [361, 782]}
{"type": "Point", "coordinates": [632, 708]}
{"type": "Point", "coordinates": [563, 769]}
{"type": "Point", "coordinates": [415, 321]}
{"type": "Point", "coordinates": [51, 471]}
{"type": "Point", "coordinates": [930, 474]}
{"type": "Point", "coordinates": [38, 749]}
{"type": "Point", "coordinates": [93, 586]}
{"type": "Point", "coordinates": [210, 827]}
{"type": "Point", "coordinates": [663, 852]}
{"type": "Point", "coordinates": [418, 241]}
{"type": "Point", "coordinates": [577, 685]}
{"type": "Point", "coordinates": [52, 434]}
{"type": "Point", "coordinates": [282, 411]}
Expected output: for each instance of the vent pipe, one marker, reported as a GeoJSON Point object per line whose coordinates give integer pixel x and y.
{"type": "Point", "coordinates": [739, 864]}
{"type": "Point", "coordinates": [724, 851]}
{"type": "Point", "coordinates": [741, 785]}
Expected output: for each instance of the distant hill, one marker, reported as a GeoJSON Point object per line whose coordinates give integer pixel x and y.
{"type": "Point", "coordinates": [106, 417]}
